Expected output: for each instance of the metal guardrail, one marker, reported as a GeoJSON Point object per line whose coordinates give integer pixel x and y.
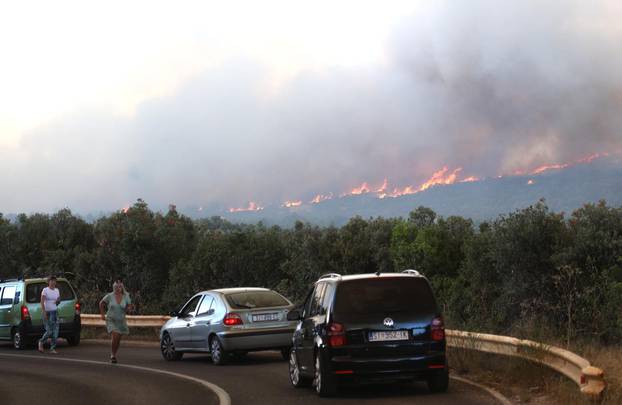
{"type": "Point", "coordinates": [590, 379]}
{"type": "Point", "coordinates": [134, 321]}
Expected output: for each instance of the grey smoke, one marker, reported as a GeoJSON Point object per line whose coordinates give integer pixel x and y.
{"type": "Point", "coordinates": [489, 86]}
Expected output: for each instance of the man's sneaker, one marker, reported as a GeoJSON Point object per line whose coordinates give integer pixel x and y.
{"type": "Point", "coordinates": [53, 351]}
{"type": "Point", "coordinates": [40, 347]}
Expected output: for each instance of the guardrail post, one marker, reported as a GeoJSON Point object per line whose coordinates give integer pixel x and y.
{"type": "Point", "coordinates": [593, 379]}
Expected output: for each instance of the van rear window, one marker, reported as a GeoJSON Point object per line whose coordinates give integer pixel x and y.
{"type": "Point", "coordinates": [33, 291]}
{"type": "Point", "coordinates": [411, 296]}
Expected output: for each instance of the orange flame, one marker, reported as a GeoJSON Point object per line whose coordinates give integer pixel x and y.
{"type": "Point", "coordinates": [252, 206]}
{"type": "Point", "coordinates": [321, 197]}
{"type": "Point", "coordinates": [291, 204]}
{"type": "Point", "coordinates": [469, 179]}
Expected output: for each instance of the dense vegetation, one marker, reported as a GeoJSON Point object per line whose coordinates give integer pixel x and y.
{"type": "Point", "coordinates": [529, 270]}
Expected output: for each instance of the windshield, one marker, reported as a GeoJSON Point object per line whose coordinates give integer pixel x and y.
{"type": "Point", "coordinates": [411, 296]}
{"type": "Point", "coordinates": [256, 299]}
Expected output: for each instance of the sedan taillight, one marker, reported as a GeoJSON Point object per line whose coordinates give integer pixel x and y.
{"type": "Point", "coordinates": [232, 319]}
{"type": "Point", "coordinates": [78, 307]}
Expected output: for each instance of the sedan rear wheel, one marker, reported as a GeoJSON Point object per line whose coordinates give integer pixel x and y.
{"type": "Point", "coordinates": [219, 355]}
{"type": "Point", "coordinates": [167, 347]}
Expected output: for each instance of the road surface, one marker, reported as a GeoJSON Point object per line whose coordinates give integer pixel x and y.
{"type": "Point", "coordinates": [260, 378]}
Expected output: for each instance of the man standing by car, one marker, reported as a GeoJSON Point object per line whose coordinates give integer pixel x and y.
{"type": "Point", "coordinates": [50, 298]}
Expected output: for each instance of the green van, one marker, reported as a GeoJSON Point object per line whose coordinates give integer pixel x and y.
{"type": "Point", "coordinates": [20, 311]}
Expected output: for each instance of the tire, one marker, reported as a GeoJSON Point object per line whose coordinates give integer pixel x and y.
{"type": "Point", "coordinates": [167, 348]}
{"type": "Point", "coordinates": [295, 378]}
{"type": "Point", "coordinates": [18, 340]}
{"type": "Point", "coordinates": [219, 355]}
{"type": "Point", "coordinates": [285, 353]}
{"type": "Point", "coordinates": [73, 340]}
{"type": "Point", "coordinates": [325, 384]}
{"type": "Point", "coordinates": [439, 382]}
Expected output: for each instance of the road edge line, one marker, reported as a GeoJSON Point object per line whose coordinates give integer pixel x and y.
{"type": "Point", "coordinates": [491, 391]}
{"type": "Point", "coordinates": [221, 394]}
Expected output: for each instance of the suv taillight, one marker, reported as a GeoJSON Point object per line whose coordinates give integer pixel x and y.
{"type": "Point", "coordinates": [232, 319]}
{"type": "Point", "coordinates": [336, 334]}
{"type": "Point", "coordinates": [25, 313]}
{"type": "Point", "coordinates": [78, 306]}
{"type": "Point", "coordinates": [438, 329]}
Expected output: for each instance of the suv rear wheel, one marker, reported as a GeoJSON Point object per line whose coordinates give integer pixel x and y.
{"type": "Point", "coordinates": [439, 382]}
{"type": "Point", "coordinates": [324, 384]}
{"type": "Point", "coordinates": [295, 377]}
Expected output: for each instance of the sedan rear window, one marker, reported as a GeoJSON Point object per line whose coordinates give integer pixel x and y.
{"type": "Point", "coordinates": [33, 291]}
{"type": "Point", "coordinates": [256, 299]}
{"type": "Point", "coordinates": [412, 296]}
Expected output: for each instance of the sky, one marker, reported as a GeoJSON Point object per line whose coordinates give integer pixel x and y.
{"type": "Point", "coordinates": [215, 104]}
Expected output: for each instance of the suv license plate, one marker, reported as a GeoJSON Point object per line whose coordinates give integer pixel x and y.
{"type": "Point", "coordinates": [265, 317]}
{"type": "Point", "coordinates": [383, 336]}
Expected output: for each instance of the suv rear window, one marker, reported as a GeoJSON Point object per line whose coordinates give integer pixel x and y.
{"type": "Point", "coordinates": [384, 295]}
{"type": "Point", "coordinates": [33, 291]}
{"type": "Point", "coordinates": [256, 299]}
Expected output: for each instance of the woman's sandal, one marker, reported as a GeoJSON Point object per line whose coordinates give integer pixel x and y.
{"type": "Point", "coordinates": [113, 360]}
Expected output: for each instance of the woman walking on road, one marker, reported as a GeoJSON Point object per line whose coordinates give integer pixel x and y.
{"type": "Point", "coordinates": [50, 298]}
{"type": "Point", "coordinates": [118, 303]}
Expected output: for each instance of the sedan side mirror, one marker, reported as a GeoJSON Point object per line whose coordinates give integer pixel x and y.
{"type": "Point", "coordinates": [174, 314]}
{"type": "Point", "coordinates": [294, 315]}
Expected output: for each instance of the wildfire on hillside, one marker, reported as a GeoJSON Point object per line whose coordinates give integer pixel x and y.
{"type": "Point", "coordinates": [252, 206]}
{"type": "Point", "coordinates": [291, 204]}
{"type": "Point", "coordinates": [444, 176]}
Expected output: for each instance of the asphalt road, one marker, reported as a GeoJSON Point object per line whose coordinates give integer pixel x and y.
{"type": "Point", "coordinates": [260, 378]}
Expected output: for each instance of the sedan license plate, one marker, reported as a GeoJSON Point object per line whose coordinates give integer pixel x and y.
{"type": "Point", "coordinates": [265, 317]}
{"type": "Point", "coordinates": [384, 336]}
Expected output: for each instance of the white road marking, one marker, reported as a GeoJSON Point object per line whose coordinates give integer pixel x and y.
{"type": "Point", "coordinates": [496, 394]}
{"type": "Point", "coordinates": [223, 396]}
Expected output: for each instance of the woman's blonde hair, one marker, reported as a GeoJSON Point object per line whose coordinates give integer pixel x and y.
{"type": "Point", "coordinates": [116, 283]}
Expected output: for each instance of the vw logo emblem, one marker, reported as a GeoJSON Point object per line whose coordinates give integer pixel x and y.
{"type": "Point", "coordinates": [388, 322]}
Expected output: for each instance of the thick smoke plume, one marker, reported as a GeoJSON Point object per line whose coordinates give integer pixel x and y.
{"type": "Point", "coordinates": [487, 86]}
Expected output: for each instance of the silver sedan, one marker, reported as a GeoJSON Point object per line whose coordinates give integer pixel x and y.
{"type": "Point", "coordinates": [229, 321]}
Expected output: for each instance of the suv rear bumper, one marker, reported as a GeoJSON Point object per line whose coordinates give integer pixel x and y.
{"type": "Point", "coordinates": [30, 331]}
{"type": "Point", "coordinates": [380, 369]}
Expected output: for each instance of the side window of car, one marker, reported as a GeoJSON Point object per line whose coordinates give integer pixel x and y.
{"type": "Point", "coordinates": [206, 305]}
{"type": "Point", "coordinates": [306, 307]}
{"type": "Point", "coordinates": [316, 300]}
{"type": "Point", "coordinates": [8, 294]}
{"type": "Point", "coordinates": [327, 297]}
{"type": "Point", "coordinates": [190, 308]}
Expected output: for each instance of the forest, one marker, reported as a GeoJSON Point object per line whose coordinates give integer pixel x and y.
{"type": "Point", "coordinates": [525, 273]}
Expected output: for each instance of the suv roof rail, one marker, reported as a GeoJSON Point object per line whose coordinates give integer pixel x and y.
{"type": "Point", "coordinates": [330, 275]}
{"type": "Point", "coordinates": [413, 272]}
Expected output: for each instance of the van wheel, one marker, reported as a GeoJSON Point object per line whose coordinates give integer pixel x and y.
{"type": "Point", "coordinates": [219, 355]}
{"type": "Point", "coordinates": [297, 379]}
{"type": "Point", "coordinates": [73, 340]}
{"type": "Point", "coordinates": [167, 347]}
{"type": "Point", "coordinates": [19, 342]}
{"type": "Point", "coordinates": [439, 382]}
{"type": "Point", "coordinates": [324, 383]}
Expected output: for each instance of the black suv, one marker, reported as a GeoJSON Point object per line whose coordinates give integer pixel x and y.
{"type": "Point", "coordinates": [368, 328]}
